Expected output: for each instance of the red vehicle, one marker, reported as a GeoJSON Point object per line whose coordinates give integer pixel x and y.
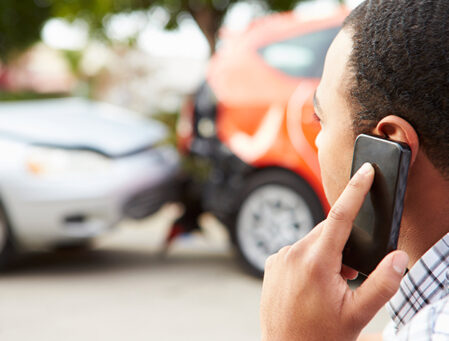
{"type": "Point", "coordinates": [253, 120]}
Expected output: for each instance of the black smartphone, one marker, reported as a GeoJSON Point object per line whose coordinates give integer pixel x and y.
{"type": "Point", "coordinates": [376, 228]}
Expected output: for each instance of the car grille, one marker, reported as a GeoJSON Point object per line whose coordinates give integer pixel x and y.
{"type": "Point", "coordinates": [151, 200]}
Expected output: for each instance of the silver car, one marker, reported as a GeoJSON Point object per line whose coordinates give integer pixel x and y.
{"type": "Point", "coordinates": [70, 169]}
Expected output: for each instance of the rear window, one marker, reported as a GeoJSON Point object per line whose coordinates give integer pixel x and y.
{"type": "Point", "coordinates": [301, 56]}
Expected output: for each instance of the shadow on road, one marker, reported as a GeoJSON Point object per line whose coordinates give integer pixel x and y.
{"type": "Point", "coordinates": [100, 261]}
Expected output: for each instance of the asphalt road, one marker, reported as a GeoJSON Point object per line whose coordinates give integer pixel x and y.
{"type": "Point", "coordinates": [126, 288]}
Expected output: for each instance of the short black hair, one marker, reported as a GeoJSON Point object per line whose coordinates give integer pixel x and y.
{"type": "Point", "coordinates": [400, 66]}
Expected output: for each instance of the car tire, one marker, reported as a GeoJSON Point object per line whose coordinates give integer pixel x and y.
{"type": "Point", "coordinates": [275, 208]}
{"type": "Point", "coordinates": [76, 246]}
{"type": "Point", "coordinates": [7, 249]}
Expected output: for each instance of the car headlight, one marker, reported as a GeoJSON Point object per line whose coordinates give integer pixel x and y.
{"type": "Point", "coordinates": [55, 161]}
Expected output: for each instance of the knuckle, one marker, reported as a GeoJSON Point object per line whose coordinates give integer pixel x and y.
{"type": "Point", "coordinates": [313, 270]}
{"type": "Point", "coordinates": [289, 253]}
{"type": "Point", "coordinates": [337, 213]}
{"type": "Point", "coordinates": [355, 183]}
{"type": "Point", "coordinates": [269, 262]}
{"type": "Point", "coordinates": [294, 252]}
{"type": "Point", "coordinates": [313, 266]}
{"type": "Point", "coordinates": [284, 250]}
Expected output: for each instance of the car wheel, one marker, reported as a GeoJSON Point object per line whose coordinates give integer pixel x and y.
{"type": "Point", "coordinates": [276, 208]}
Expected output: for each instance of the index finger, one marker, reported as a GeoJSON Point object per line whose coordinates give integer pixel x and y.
{"type": "Point", "coordinates": [338, 224]}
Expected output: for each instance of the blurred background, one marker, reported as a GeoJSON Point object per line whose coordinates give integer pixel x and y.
{"type": "Point", "coordinates": [153, 154]}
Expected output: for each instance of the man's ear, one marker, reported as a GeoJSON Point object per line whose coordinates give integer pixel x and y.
{"type": "Point", "coordinates": [397, 129]}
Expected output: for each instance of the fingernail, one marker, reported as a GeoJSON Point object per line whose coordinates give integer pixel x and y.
{"type": "Point", "coordinates": [366, 169]}
{"type": "Point", "coordinates": [400, 262]}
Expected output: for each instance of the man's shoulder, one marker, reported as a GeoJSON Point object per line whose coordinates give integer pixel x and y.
{"type": "Point", "coordinates": [430, 323]}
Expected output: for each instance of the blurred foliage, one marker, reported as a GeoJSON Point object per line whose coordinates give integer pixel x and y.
{"type": "Point", "coordinates": [208, 14]}
{"type": "Point", "coordinates": [169, 120]}
{"type": "Point", "coordinates": [199, 168]}
{"type": "Point", "coordinates": [20, 96]}
{"type": "Point", "coordinates": [22, 20]}
{"type": "Point", "coordinates": [20, 24]}
{"type": "Point", "coordinates": [74, 60]}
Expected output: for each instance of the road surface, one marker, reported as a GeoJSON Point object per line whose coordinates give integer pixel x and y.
{"type": "Point", "coordinates": [126, 288]}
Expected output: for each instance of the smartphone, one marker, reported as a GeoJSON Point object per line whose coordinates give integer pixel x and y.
{"type": "Point", "coordinates": [376, 228]}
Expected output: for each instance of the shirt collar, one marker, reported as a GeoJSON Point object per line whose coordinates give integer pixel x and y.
{"type": "Point", "coordinates": [426, 282]}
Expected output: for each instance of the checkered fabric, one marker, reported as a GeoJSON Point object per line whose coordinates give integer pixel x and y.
{"type": "Point", "coordinates": [420, 309]}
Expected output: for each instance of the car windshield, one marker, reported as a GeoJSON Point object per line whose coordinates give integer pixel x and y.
{"type": "Point", "coordinates": [300, 56]}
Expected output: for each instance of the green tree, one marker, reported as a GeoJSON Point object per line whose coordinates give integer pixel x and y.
{"type": "Point", "coordinates": [21, 20]}
{"type": "Point", "coordinates": [20, 24]}
{"type": "Point", "coordinates": [208, 14]}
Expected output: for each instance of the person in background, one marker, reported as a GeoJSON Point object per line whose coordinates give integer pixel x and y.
{"type": "Point", "coordinates": [386, 74]}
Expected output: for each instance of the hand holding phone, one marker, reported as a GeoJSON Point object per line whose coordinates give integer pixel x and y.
{"type": "Point", "coordinates": [309, 274]}
{"type": "Point", "coordinates": [376, 228]}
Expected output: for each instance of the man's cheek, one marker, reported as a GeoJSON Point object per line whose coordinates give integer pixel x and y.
{"type": "Point", "coordinates": [334, 181]}
{"type": "Point", "coordinates": [329, 186]}
{"type": "Point", "coordinates": [318, 140]}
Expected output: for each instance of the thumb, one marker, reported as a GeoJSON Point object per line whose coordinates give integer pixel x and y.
{"type": "Point", "coordinates": [380, 286]}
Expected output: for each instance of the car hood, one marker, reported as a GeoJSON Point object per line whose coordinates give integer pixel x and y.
{"type": "Point", "coordinates": [75, 123]}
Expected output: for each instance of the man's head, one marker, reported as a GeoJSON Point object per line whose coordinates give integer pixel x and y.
{"type": "Point", "coordinates": [386, 73]}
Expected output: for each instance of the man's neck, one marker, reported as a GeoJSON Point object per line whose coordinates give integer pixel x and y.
{"type": "Point", "coordinates": [426, 211]}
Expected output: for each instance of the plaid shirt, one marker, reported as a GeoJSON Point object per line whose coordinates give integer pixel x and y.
{"type": "Point", "coordinates": [420, 309]}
